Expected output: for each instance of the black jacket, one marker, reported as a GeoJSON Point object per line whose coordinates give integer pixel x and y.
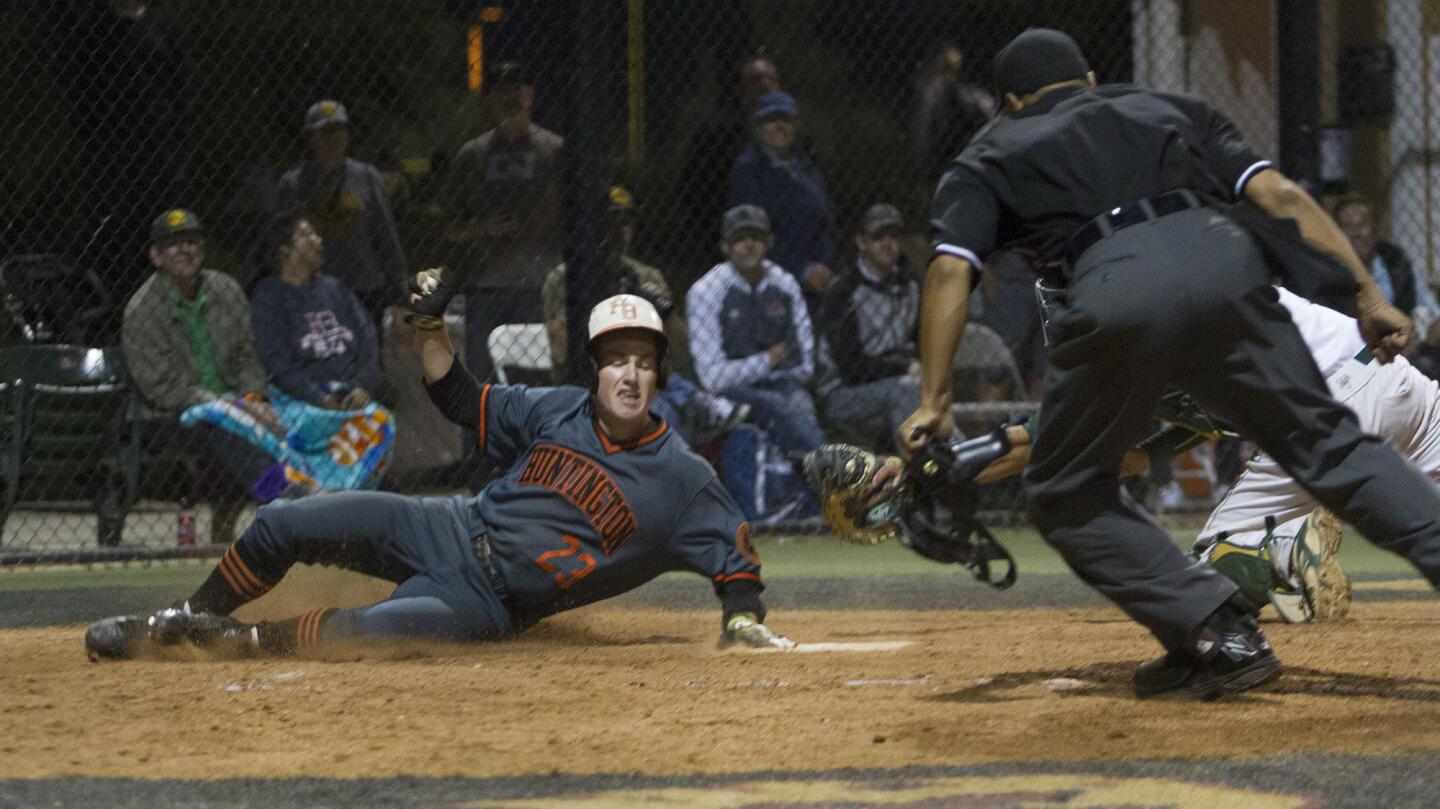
{"type": "Point", "coordinates": [869, 326]}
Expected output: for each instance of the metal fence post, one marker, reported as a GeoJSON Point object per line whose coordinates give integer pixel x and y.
{"type": "Point", "coordinates": [1297, 63]}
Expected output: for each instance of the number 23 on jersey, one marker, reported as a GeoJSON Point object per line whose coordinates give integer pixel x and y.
{"type": "Point", "coordinates": [568, 564]}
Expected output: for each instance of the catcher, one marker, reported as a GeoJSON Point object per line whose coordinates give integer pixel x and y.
{"type": "Point", "coordinates": [929, 502]}
{"type": "Point", "coordinates": [599, 498]}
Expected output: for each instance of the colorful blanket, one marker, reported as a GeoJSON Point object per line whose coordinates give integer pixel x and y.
{"type": "Point", "coordinates": [331, 449]}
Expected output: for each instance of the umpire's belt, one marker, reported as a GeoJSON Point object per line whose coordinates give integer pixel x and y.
{"type": "Point", "coordinates": [1124, 216]}
{"type": "Point", "coordinates": [481, 544]}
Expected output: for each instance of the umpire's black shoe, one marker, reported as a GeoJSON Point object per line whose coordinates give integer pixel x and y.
{"type": "Point", "coordinates": [1163, 674]}
{"type": "Point", "coordinates": [1234, 658]}
{"type": "Point", "coordinates": [1229, 655]}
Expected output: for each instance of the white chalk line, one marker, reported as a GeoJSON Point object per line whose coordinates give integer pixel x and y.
{"type": "Point", "coordinates": [857, 646]}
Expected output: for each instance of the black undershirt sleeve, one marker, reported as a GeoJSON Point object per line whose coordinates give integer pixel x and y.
{"type": "Point", "coordinates": [457, 395]}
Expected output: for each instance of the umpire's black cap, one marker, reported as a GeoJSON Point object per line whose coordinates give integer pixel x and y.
{"type": "Point", "coordinates": [1037, 58]}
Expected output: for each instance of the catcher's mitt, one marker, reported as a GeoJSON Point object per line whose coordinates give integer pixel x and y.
{"type": "Point", "coordinates": [937, 504]}
{"type": "Point", "coordinates": [841, 476]}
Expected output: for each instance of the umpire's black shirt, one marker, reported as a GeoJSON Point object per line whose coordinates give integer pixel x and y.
{"type": "Point", "coordinates": [1035, 176]}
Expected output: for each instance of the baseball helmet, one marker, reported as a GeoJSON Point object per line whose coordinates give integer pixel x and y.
{"type": "Point", "coordinates": [619, 312]}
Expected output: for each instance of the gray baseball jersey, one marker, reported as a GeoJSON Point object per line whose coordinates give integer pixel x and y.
{"type": "Point", "coordinates": [578, 518]}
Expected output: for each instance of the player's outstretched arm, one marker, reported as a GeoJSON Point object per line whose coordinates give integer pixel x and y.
{"type": "Point", "coordinates": [436, 353]}
{"type": "Point", "coordinates": [430, 294]}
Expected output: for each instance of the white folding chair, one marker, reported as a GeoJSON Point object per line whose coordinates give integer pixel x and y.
{"type": "Point", "coordinates": [519, 345]}
{"type": "Point", "coordinates": [982, 350]}
{"type": "Point", "coordinates": [981, 354]}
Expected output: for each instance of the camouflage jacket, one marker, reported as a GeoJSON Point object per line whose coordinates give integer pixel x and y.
{"type": "Point", "coordinates": [161, 357]}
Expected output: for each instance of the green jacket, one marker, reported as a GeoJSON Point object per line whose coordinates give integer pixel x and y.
{"type": "Point", "coordinates": [161, 357]}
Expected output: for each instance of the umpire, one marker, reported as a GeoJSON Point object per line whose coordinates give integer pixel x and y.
{"type": "Point", "coordinates": [1134, 199]}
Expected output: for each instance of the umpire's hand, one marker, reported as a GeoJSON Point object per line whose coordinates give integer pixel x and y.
{"type": "Point", "coordinates": [925, 424]}
{"type": "Point", "coordinates": [1386, 330]}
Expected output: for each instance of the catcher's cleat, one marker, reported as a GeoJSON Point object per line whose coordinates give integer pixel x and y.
{"type": "Point", "coordinates": [1324, 589]}
{"type": "Point", "coordinates": [1316, 590]}
{"type": "Point", "coordinates": [1229, 655]}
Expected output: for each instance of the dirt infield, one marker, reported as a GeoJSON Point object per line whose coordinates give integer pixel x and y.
{"type": "Point", "coordinates": [624, 690]}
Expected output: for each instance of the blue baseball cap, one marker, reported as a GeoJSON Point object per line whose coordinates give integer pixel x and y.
{"type": "Point", "coordinates": [744, 217]}
{"type": "Point", "coordinates": [776, 102]}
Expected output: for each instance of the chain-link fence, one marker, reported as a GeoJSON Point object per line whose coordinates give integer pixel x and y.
{"type": "Point", "coordinates": [143, 143]}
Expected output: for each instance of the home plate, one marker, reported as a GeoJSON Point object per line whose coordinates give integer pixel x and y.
{"type": "Point", "coordinates": [860, 646]}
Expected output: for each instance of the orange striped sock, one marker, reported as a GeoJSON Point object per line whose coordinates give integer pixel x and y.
{"type": "Point", "coordinates": [293, 635]}
{"type": "Point", "coordinates": [233, 582]}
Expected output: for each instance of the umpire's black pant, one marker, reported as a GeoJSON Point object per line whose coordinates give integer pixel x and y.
{"type": "Point", "coordinates": [1185, 300]}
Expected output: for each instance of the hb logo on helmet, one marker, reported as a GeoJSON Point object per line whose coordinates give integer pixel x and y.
{"type": "Point", "coordinates": [625, 312]}
{"type": "Point", "coordinates": [624, 308]}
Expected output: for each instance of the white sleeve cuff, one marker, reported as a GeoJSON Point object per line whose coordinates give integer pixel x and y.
{"type": "Point", "coordinates": [1250, 172]}
{"type": "Point", "coordinates": [960, 252]}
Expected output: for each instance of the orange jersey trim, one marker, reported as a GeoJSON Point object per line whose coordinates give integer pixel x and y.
{"type": "Point", "coordinates": [612, 447]}
{"type": "Point", "coordinates": [480, 427]}
{"type": "Point", "coordinates": [723, 578]}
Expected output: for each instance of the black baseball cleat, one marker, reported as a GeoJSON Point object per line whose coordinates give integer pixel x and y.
{"type": "Point", "coordinates": [216, 636]}
{"type": "Point", "coordinates": [1234, 659]}
{"type": "Point", "coordinates": [1228, 655]}
{"type": "Point", "coordinates": [1163, 674]}
{"type": "Point", "coordinates": [168, 632]}
{"type": "Point", "coordinates": [123, 637]}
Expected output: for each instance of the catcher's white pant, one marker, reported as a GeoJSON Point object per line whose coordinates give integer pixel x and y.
{"type": "Point", "coordinates": [1395, 402]}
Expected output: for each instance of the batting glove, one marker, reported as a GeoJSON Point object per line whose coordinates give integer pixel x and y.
{"type": "Point", "coordinates": [430, 294]}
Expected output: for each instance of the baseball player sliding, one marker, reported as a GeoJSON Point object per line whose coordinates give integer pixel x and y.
{"type": "Point", "coordinates": [1268, 534]}
{"type": "Point", "coordinates": [599, 498]}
